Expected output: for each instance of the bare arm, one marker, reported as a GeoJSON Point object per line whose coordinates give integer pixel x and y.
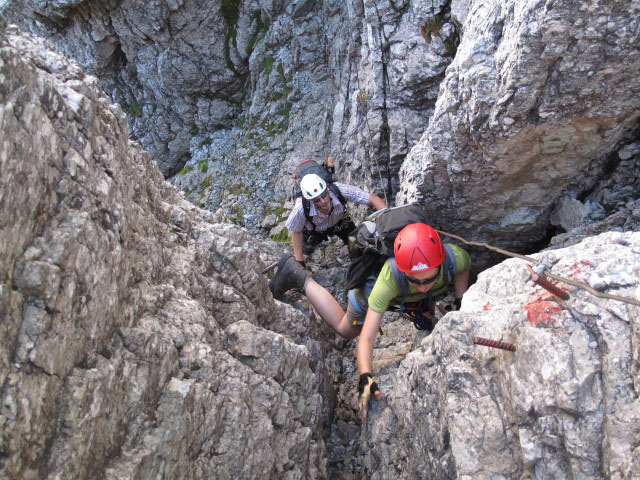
{"type": "Point", "coordinates": [461, 283]}
{"type": "Point", "coordinates": [366, 385]}
{"type": "Point", "coordinates": [376, 202]}
{"type": "Point", "coordinates": [366, 341]}
{"type": "Point", "coordinates": [297, 241]}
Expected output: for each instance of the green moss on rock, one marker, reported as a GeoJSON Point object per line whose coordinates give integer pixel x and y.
{"type": "Point", "coordinates": [185, 170]}
{"type": "Point", "coordinates": [282, 237]}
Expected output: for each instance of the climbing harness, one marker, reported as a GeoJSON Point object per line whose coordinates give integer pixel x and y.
{"type": "Point", "coordinates": [558, 278]}
{"type": "Point", "coordinates": [418, 313]}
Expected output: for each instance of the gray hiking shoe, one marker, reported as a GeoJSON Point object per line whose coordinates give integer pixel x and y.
{"type": "Point", "coordinates": [290, 274]}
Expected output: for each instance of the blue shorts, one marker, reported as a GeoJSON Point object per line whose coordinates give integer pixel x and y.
{"type": "Point", "coordinates": [358, 304]}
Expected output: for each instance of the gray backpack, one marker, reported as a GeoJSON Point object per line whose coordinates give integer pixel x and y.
{"type": "Point", "coordinates": [372, 243]}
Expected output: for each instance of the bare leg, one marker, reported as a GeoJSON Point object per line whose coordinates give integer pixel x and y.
{"type": "Point", "coordinates": [329, 309]}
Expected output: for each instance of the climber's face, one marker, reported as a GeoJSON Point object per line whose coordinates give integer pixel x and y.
{"type": "Point", "coordinates": [423, 281]}
{"type": "Point", "coordinates": [323, 201]}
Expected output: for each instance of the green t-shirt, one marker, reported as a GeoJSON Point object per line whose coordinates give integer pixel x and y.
{"type": "Point", "coordinates": [385, 291]}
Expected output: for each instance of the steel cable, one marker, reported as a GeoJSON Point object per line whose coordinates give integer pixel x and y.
{"type": "Point", "coordinates": [558, 278]}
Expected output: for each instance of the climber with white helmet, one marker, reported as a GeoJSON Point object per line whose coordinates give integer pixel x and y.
{"type": "Point", "coordinates": [321, 212]}
{"type": "Point", "coordinates": [421, 270]}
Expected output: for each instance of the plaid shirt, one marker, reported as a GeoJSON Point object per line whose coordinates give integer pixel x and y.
{"type": "Point", "coordinates": [297, 221]}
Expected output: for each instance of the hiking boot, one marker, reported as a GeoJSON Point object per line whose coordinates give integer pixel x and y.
{"type": "Point", "coordinates": [290, 274]}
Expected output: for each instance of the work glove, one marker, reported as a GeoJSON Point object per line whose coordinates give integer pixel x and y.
{"type": "Point", "coordinates": [366, 387]}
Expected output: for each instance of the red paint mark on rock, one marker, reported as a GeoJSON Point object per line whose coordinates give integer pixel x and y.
{"type": "Point", "coordinates": [578, 270]}
{"type": "Point", "coordinates": [542, 309]}
{"type": "Point", "coordinates": [487, 307]}
{"type": "Point", "coordinates": [542, 312]}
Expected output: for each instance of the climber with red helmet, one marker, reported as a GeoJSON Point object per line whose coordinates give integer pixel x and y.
{"type": "Point", "coordinates": [325, 212]}
{"type": "Point", "coordinates": [421, 270]}
{"type": "Point", "coordinates": [421, 256]}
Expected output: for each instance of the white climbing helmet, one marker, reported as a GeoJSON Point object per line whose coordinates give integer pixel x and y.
{"type": "Point", "coordinates": [312, 185]}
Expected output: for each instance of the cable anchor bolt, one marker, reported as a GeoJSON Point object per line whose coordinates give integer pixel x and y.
{"type": "Point", "coordinates": [536, 275]}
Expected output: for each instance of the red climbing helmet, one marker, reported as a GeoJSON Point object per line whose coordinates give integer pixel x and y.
{"type": "Point", "coordinates": [418, 248]}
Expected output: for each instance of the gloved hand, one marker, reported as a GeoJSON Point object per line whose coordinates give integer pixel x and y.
{"type": "Point", "coordinates": [457, 303]}
{"type": "Point", "coordinates": [366, 387]}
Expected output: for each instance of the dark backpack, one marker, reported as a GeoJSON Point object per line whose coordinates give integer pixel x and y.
{"type": "Point", "coordinates": [311, 166]}
{"type": "Point", "coordinates": [372, 244]}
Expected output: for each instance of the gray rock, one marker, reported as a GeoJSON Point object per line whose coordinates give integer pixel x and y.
{"type": "Point", "coordinates": [569, 213]}
{"type": "Point", "coordinates": [134, 339]}
{"type": "Point", "coordinates": [354, 80]}
{"type": "Point", "coordinates": [365, 82]}
{"type": "Point", "coordinates": [140, 339]}
{"type": "Point", "coordinates": [614, 205]}
{"type": "Point", "coordinates": [629, 151]}
{"type": "Point", "coordinates": [170, 66]}
{"type": "Point", "coordinates": [622, 183]}
{"type": "Point", "coordinates": [277, 230]}
{"type": "Point", "coordinates": [460, 10]}
{"type": "Point", "coordinates": [625, 219]}
{"type": "Point", "coordinates": [532, 107]}
{"type": "Point", "coordinates": [270, 221]}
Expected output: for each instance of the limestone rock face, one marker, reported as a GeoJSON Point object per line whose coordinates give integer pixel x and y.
{"type": "Point", "coordinates": [247, 89]}
{"type": "Point", "coordinates": [509, 109]}
{"type": "Point", "coordinates": [138, 337]}
{"type": "Point", "coordinates": [538, 98]}
{"type": "Point", "coordinates": [350, 79]}
{"type": "Point", "coordinates": [563, 405]}
{"type": "Point", "coordinates": [170, 64]}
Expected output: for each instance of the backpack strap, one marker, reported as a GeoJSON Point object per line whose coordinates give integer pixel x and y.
{"type": "Point", "coordinates": [336, 191]}
{"type": "Point", "coordinates": [449, 264]}
{"type": "Point", "coordinates": [306, 207]}
{"type": "Point", "coordinates": [399, 278]}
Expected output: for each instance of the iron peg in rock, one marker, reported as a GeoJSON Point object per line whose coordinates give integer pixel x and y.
{"type": "Point", "coordinates": [493, 344]}
{"type": "Point", "coordinates": [270, 267]}
{"type": "Point", "coordinates": [536, 275]}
